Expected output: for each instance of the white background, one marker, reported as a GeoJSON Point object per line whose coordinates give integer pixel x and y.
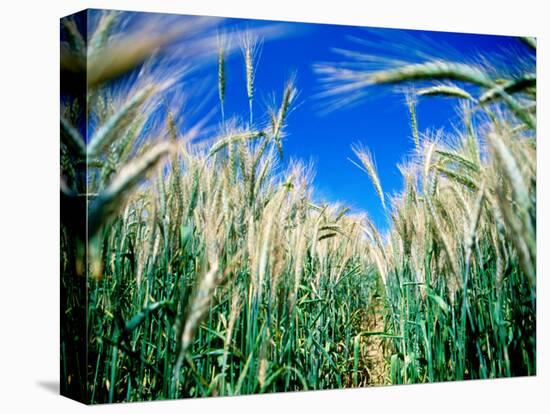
{"type": "Point", "coordinates": [29, 204]}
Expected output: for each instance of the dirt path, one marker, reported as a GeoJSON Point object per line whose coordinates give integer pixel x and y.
{"type": "Point", "coordinates": [375, 363]}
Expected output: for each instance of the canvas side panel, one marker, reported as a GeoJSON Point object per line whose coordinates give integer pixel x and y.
{"type": "Point", "coordinates": [73, 269]}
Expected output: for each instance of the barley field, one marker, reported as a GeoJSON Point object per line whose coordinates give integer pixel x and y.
{"type": "Point", "coordinates": [196, 267]}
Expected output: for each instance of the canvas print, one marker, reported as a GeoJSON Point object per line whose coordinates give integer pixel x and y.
{"type": "Point", "coordinates": [253, 206]}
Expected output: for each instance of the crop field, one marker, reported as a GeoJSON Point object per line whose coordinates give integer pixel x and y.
{"type": "Point", "coordinates": [197, 258]}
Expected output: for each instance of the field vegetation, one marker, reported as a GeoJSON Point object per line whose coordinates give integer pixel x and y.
{"type": "Point", "coordinates": [208, 270]}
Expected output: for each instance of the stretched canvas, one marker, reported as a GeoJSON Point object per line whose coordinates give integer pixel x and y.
{"type": "Point", "coordinates": [253, 206]}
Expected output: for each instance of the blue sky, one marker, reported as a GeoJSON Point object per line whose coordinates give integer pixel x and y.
{"type": "Point", "coordinates": [380, 122]}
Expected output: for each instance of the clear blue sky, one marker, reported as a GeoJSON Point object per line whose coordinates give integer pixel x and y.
{"type": "Point", "coordinates": [380, 122]}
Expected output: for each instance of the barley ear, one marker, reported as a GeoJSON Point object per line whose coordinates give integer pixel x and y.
{"type": "Point", "coordinates": [411, 105]}
{"type": "Point", "coordinates": [114, 126]}
{"type": "Point", "coordinates": [72, 138]}
{"type": "Point", "coordinates": [446, 90]}
{"type": "Point", "coordinates": [108, 202]}
{"type": "Point", "coordinates": [368, 163]}
{"type": "Point", "coordinates": [222, 45]}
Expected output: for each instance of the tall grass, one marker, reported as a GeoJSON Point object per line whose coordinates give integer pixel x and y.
{"type": "Point", "coordinates": [459, 261]}
{"type": "Point", "coordinates": [208, 270]}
